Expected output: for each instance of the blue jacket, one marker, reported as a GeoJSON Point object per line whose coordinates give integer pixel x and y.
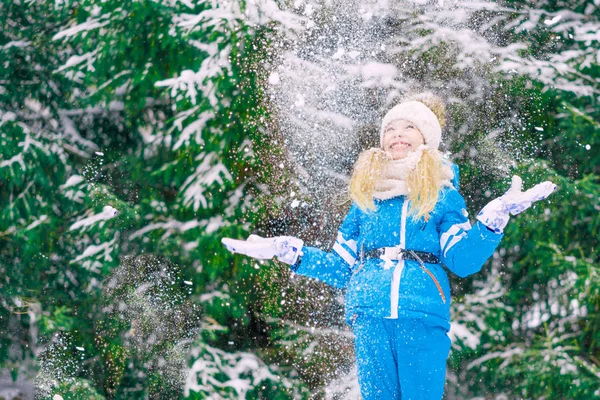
{"type": "Point", "coordinates": [392, 289]}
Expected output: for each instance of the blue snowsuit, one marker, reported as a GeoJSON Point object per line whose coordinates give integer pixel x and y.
{"type": "Point", "coordinates": [400, 310]}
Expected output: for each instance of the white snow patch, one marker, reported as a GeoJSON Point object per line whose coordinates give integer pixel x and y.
{"type": "Point", "coordinates": [215, 294]}
{"type": "Point", "coordinates": [300, 102]}
{"type": "Point", "coordinates": [15, 43]}
{"type": "Point", "coordinates": [211, 170]}
{"type": "Point", "coordinates": [92, 250]}
{"type": "Point", "coordinates": [14, 159]}
{"type": "Point", "coordinates": [553, 20]}
{"type": "Point", "coordinates": [72, 181]}
{"type": "Point", "coordinates": [39, 221]}
{"type": "Point", "coordinates": [460, 331]}
{"type": "Point", "coordinates": [344, 387]}
{"type": "Point", "coordinates": [193, 129]}
{"type": "Point", "coordinates": [169, 226]}
{"type": "Point", "coordinates": [75, 60]}
{"type": "Point", "coordinates": [189, 246]}
{"type": "Point", "coordinates": [506, 355]}
{"type": "Point", "coordinates": [338, 54]}
{"type": "Point", "coordinates": [274, 78]}
{"type": "Point", "coordinates": [90, 24]}
{"type": "Point", "coordinates": [242, 372]}
{"type": "Point", "coordinates": [107, 213]}
{"type": "Point", "coordinates": [214, 224]}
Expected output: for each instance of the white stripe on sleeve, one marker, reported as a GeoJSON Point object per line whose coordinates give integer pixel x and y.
{"type": "Point", "coordinates": [351, 243]}
{"type": "Point", "coordinates": [342, 252]}
{"type": "Point", "coordinates": [454, 240]}
{"type": "Point", "coordinates": [453, 230]}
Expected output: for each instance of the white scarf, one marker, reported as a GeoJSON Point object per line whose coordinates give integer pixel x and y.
{"type": "Point", "coordinates": [393, 181]}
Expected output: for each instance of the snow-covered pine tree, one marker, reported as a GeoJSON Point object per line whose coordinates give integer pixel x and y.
{"type": "Point", "coordinates": [151, 110]}
{"type": "Point", "coordinates": [45, 213]}
{"type": "Point", "coordinates": [544, 343]}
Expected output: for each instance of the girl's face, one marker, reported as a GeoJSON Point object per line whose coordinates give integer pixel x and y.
{"type": "Point", "coordinates": [400, 138]}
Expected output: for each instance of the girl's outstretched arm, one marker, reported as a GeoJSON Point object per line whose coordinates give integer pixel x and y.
{"type": "Point", "coordinates": [464, 248]}
{"type": "Point", "coordinates": [335, 267]}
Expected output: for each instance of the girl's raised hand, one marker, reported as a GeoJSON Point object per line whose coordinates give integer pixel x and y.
{"type": "Point", "coordinates": [516, 201]}
{"type": "Point", "coordinates": [495, 215]}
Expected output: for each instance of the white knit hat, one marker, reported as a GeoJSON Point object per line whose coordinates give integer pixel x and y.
{"type": "Point", "coordinates": [420, 115]}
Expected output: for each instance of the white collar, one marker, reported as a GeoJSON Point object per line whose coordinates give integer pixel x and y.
{"type": "Point", "coordinates": [392, 183]}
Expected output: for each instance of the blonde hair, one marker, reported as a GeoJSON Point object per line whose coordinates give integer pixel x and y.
{"type": "Point", "coordinates": [424, 182]}
{"type": "Point", "coordinates": [367, 170]}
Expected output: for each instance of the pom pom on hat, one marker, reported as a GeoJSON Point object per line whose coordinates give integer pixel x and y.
{"type": "Point", "coordinates": [422, 116]}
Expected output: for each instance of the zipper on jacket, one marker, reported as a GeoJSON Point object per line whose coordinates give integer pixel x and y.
{"type": "Point", "coordinates": [397, 275]}
{"type": "Point", "coordinates": [439, 287]}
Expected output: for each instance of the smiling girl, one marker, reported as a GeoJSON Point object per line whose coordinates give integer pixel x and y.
{"type": "Point", "coordinates": [407, 225]}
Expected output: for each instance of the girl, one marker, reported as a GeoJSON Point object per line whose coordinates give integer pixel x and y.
{"type": "Point", "coordinates": [407, 224]}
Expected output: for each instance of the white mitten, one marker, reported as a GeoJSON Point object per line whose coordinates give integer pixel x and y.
{"type": "Point", "coordinates": [495, 214]}
{"type": "Point", "coordinates": [287, 249]}
{"type": "Point", "coordinates": [255, 247]}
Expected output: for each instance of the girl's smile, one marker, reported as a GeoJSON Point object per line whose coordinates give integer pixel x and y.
{"type": "Point", "coordinates": [400, 138]}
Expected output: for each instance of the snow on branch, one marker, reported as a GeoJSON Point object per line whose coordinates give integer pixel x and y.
{"type": "Point", "coordinates": [576, 38]}
{"type": "Point", "coordinates": [18, 158]}
{"type": "Point", "coordinates": [507, 354]}
{"type": "Point", "coordinates": [107, 213]}
{"type": "Point", "coordinates": [261, 12]}
{"type": "Point", "coordinates": [170, 226]}
{"type": "Point", "coordinates": [94, 256]}
{"type": "Point", "coordinates": [28, 143]}
{"type": "Point", "coordinates": [222, 18]}
{"type": "Point", "coordinates": [90, 24]}
{"type": "Point", "coordinates": [16, 43]}
{"type": "Point", "coordinates": [37, 222]}
{"type": "Point", "coordinates": [92, 250]}
{"type": "Point", "coordinates": [89, 58]}
{"type": "Point", "coordinates": [469, 316]}
{"type": "Point", "coordinates": [556, 357]}
{"type": "Point", "coordinates": [189, 82]}
{"type": "Point", "coordinates": [210, 171]}
{"type": "Point", "coordinates": [193, 131]}
{"type": "Point", "coordinates": [231, 14]}
{"type": "Point", "coordinates": [224, 375]}
{"type": "Point", "coordinates": [313, 330]}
